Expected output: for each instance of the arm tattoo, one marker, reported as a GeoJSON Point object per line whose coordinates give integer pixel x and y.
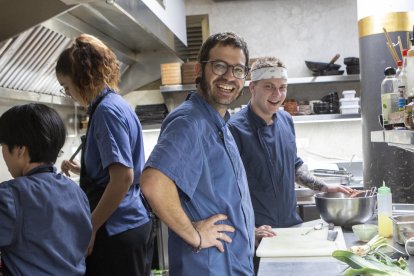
{"type": "Point", "coordinates": [305, 178]}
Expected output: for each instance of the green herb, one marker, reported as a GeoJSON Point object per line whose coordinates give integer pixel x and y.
{"type": "Point", "coordinates": [368, 265]}
{"type": "Point", "coordinates": [373, 244]}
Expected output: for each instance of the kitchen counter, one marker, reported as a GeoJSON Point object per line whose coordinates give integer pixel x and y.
{"type": "Point", "coordinates": [313, 266]}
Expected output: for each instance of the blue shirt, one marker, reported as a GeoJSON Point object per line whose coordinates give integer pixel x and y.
{"type": "Point", "coordinates": [45, 225]}
{"type": "Point", "coordinates": [197, 151]}
{"type": "Point", "coordinates": [270, 158]}
{"type": "Point", "coordinates": [115, 136]}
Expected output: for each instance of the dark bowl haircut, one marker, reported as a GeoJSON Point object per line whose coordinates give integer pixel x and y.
{"type": "Point", "coordinates": [36, 126]}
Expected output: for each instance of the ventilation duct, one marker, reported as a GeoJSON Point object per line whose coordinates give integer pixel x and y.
{"type": "Point", "coordinates": [141, 32]}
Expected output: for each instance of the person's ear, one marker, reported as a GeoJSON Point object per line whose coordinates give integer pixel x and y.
{"type": "Point", "coordinates": [21, 150]}
{"type": "Point", "coordinates": [251, 87]}
{"type": "Point", "coordinates": [198, 70]}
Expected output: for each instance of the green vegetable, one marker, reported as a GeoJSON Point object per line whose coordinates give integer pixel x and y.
{"type": "Point", "coordinates": [368, 265]}
{"type": "Point", "coordinates": [364, 271]}
{"type": "Point", "coordinates": [373, 244]}
{"type": "Point", "coordinates": [353, 260]}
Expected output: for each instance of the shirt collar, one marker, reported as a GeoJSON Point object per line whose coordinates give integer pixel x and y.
{"type": "Point", "coordinates": [217, 119]}
{"type": "Point", "coordinates": [257, 120]}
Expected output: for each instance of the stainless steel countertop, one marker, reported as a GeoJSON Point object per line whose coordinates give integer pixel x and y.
{"type": "Point", "coordinates": [314, 266]}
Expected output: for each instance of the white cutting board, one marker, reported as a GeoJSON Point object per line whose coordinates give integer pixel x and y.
{"type": "Point", "coordinates": [290, 242]}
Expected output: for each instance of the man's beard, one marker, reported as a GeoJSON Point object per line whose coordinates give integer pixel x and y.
{"type": "Point", "coordinates": [206, 92]}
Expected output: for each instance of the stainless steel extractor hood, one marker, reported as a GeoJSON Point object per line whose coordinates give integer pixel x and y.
{"type": "Point", "coordinates": [143, 34]}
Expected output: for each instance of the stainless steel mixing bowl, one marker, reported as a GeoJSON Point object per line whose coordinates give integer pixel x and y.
{"type": "Point", "coordinates": [343, 210]}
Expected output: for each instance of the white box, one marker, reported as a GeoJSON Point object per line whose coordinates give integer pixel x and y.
{"type": "Point", "coordinates": [352, 109]}
{"type": "Point", "coordinates": [348, 93]}
{"type": "Point", "coordinates": [349, 101]}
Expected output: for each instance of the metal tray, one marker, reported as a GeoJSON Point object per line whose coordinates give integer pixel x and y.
{"type": "Point", "coordinates": [402, 227]}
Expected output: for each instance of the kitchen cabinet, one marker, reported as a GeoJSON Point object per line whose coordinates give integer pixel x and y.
{"type": "Point", "coordinates": [303, 88]}
{"type": "Point", "coordinates": [399, 138]}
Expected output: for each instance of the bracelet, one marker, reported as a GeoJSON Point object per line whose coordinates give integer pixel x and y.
{"type": "Point", "coordinates": [198, 248]}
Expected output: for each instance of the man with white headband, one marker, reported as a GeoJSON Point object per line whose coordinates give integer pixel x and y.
{"type": "Point", "coordinates": [265, 137]}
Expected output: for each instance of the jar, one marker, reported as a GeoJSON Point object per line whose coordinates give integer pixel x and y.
{"type": "Point", "coordinates": [291, 106]}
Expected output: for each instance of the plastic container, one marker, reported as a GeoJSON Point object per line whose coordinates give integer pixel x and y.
{"type": "Point", "coordinates": [384, 201]}
{"type": "Point", "coordinates": [352, 109]}
{"type": "Point", "coordinates": [348, 93]}
{"type": "Point", "coordinates": [349, 101]}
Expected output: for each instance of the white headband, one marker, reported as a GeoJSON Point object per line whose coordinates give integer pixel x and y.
{"type": "Point", "coordinates": [269, 73]}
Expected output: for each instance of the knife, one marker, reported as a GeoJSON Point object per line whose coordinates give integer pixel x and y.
{"type": "Point", "coordinates": [332, 234]}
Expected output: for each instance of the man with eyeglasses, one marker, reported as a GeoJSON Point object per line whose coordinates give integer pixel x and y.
{"type": "Point", "coordinates": [265, 137]}
{"type": "Point", "coordinates": [194, 178]}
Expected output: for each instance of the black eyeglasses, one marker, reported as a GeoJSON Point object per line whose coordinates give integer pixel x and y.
{"type": "Point", "coordinates": [220, 68]}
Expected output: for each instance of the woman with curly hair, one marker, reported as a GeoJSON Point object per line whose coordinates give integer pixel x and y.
{"type": "Point", "coordinates": [111, 163]}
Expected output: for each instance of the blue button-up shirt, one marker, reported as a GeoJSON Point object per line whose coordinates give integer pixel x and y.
{"type": "Point", "coordinates": [197, 151]}
{"type": "Point", "coordinates": [115, 136]}
{"type": "Point", "coordinates": [45, 225]}
{"type": "Point", "coordinates": [270, 157]}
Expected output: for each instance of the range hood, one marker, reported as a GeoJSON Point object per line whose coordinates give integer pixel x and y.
{"type": "Point", "coordinates": [143, 34]}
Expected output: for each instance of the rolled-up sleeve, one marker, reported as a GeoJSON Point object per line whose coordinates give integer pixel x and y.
{"type": "Point", "coordinates": [177, 154]}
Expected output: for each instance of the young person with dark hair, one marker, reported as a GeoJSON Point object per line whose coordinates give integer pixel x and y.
{"type": "Point", "coordinates": [45, 223]}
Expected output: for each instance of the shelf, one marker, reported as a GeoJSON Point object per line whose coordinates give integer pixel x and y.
{"type": "Point", "coordinates": [326, 118]}
{"type": "Point", "coordinates": [398, 138]}
{"type": "Point", "coordinates": [291, 81]}
{"type": "Point", "coordinates": [324, 79]}
{"type": "Point", "coordinates": [177, 88]}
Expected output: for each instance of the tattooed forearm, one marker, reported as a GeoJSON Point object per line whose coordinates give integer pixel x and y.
{"type": "Point", "coordinates": [305, 178]}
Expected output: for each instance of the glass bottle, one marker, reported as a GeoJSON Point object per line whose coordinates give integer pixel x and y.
{"type": "Point", "coordinates": [389, 95]}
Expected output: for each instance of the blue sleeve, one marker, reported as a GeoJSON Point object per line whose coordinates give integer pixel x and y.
{"type": "Point", "coordinates": [8, 215]}
{"type": "Point", "coordinates": [112, 135]}
{"type": "Point", "coordinates": [178, 154]}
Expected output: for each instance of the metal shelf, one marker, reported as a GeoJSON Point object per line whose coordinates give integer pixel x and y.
{"type": "Point", "coordinates": [326, 118]}
{"type": "Point", "coordinates": [324, 79]}
{"type": "Point", "coordinates": [291, 81]}
{"type": "Point", "coordinates": [398, 138]}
